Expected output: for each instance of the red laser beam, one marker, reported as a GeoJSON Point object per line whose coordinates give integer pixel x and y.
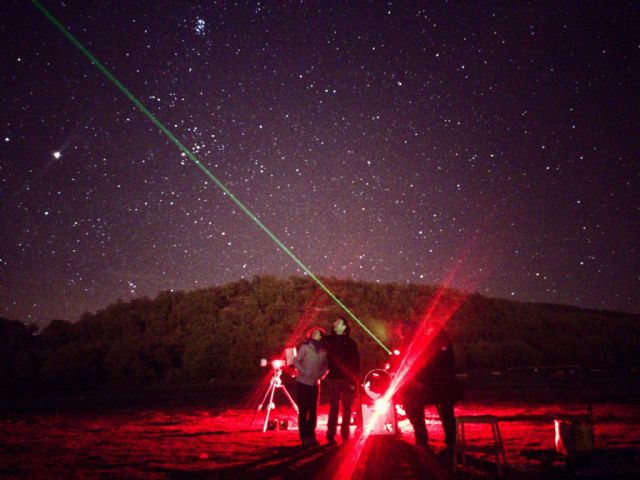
{"type": "Point", "coordinates": [418, 353]}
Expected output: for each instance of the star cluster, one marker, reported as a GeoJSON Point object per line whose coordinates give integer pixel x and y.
{"type": "Point", "coordinates": [384, 141]}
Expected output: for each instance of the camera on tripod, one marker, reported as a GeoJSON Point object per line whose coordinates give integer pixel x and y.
{"type": "Point", "coordinates": [278, 365]}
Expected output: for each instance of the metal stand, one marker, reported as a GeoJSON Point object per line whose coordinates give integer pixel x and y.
{"type": "Point", "coordinates": [276, 382]}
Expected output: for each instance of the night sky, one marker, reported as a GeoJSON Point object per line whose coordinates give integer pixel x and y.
{"type": "Point", "coordinates": [380, 141]}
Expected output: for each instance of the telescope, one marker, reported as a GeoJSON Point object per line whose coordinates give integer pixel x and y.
{"type": "Point", "coordinates": [378, 409]}
{"type": "Point", "coordinates": [276, 383]}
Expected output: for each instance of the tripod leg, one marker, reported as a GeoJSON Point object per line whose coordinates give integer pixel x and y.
{"type": "Point", "coordinates": [264, 398]}
{"type": "Point", "coordinates": [269, 407]}
{"type": "Point", "coordinates": [266, 394]}
{"type": "Point", "coordinates": [293, 404]}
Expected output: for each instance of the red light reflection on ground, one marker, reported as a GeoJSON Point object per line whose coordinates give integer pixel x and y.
{"type": "Point", "coordinates": [197, 442]}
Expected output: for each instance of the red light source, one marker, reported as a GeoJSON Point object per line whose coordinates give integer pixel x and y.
{"type": "Point", "coordinates": [379, 418]}
{"type": "Point", "coordinates": [277, 364]}
{"type": "Point", "coordinates": [381, 405]}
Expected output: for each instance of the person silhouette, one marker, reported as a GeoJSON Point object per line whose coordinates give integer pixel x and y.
{"type": "Point", "coordinates": [434, 383]}
{"type": "Point", "coordinates": [344, 369]}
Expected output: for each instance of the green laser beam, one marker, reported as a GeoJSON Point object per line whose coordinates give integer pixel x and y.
{"type": "Point", "coordinates": [199, 164]}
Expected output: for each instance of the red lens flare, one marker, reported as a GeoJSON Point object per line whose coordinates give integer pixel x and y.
{"type": "Point", "coordinates": [420, 350]}
{"type": "Point", "coordinates": [316, 304]}
{"type": "Point", "coordinates": [442, 307]}
{"type": "Point", "coordinates": [382, 406]}
{"type": "Point", "coordinates": [309, 317]}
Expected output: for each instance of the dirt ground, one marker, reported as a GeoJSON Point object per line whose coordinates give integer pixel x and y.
{"type": "Point", "coordinates": [226, 441]}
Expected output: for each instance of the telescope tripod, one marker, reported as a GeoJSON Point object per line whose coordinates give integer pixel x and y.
{"type": "Point", "coordinates": [274, 384]}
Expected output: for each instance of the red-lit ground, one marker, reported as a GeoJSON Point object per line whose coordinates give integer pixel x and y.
{"type": "Point", "coordinates": [194, 442]}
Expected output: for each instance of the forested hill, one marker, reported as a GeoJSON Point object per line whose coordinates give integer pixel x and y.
{"type": "Point", "coordinates": [223, 332]}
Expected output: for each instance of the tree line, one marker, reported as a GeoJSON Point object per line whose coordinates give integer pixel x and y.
{"type": "Point", "coordinates": [221, 333]}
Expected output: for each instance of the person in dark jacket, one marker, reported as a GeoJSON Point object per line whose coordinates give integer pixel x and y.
{"type": "Point", "coordinates": [435, 383]}
{"type": "Point", "coordinates": [344, 370]}
{"type": "Point", "coordinates": [311, 364]}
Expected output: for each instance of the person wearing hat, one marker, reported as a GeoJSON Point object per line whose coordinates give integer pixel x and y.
{"type": "Point", "coordinates": [311, 364]}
